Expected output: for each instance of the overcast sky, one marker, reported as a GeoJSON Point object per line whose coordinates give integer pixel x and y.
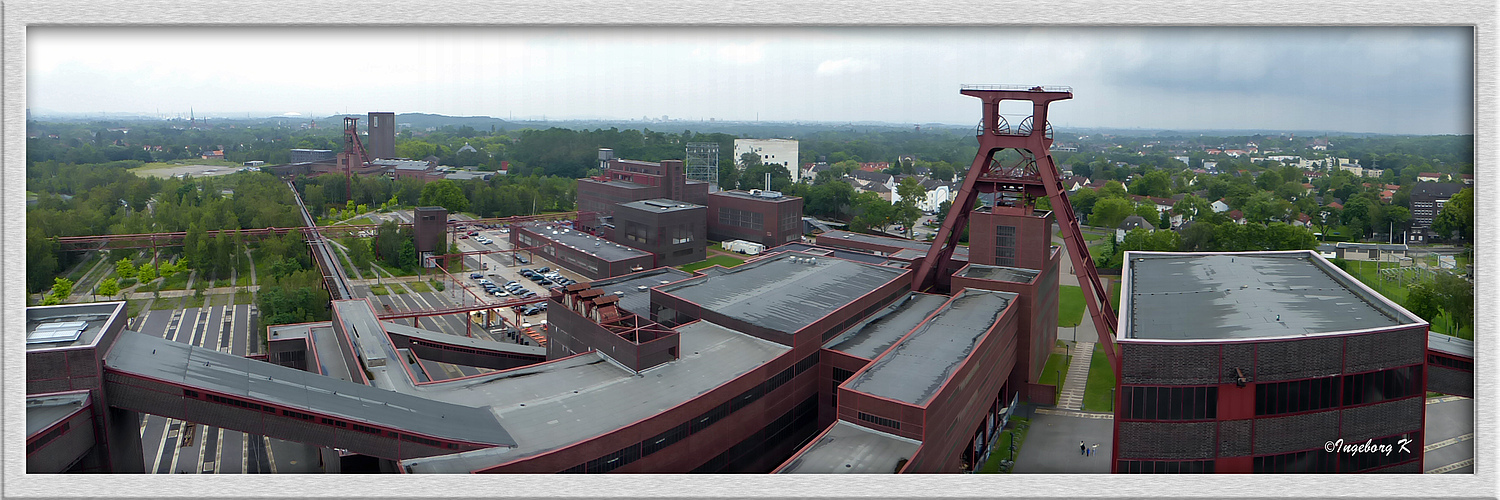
{"type": "Point", "coordinates": [1375, 79]}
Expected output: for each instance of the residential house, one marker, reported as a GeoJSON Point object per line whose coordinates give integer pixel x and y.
{"type": "Point", "coordinates": [1428, 177]}
{"type": "Point", "coordinates": [1131, 222]}
{"type": "Point", "coordinates": [1237, 216]}
{"type": "Point", "coordinates": [1220, 205]}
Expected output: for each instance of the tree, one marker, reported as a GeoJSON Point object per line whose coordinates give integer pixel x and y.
{"type": "Point", "coordinates": [1268, 181]}
{"type": "Point", "coordinates": [1083, 201]}
{"type": "Point", "coordinates": [109, 287]}
{"type": "Point", "coordinates": [1457, 298]}
{"type": "Point", "coordinates": [1113, 189]}
{"type": "Point", "coordinates": [147, 272]}
{"type": "Point", "coordinates": [941, 171]}
{"type": "Point", "coordinates": [1109, 212]}
{"type": "Point", "coordinates": [1457, 215]}
{"type": "Point", "coordinates": [124, 269]}
{"type": "Point", "coordinates": [1148, 211]}
{"type": "Point", "coordinates": [62, 287]}
{"type": "Point", "coordinates": [1155, 183]}
{"type": "Point", "coordinates": [408, 255]}
{"type": "Point", "coordinates": [1190, 206]}
{"type": "Point", "coordinates": [907, 212]}
{"type": "Point", "coordinates": [359, 252]}
{"type": "Point", "coordinates": [749, 160]}
{"type": "Point", "coordinates": [1423, 301]}
{"type": "Point", "coordinates": [443, 193]}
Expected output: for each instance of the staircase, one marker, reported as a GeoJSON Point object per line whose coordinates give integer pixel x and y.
{"type": "Point", "coordinates": [1071, 397]}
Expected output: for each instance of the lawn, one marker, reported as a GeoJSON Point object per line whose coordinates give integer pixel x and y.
{"type": "Point", "coordinates": [176, 282]}
{"type": "Point", "coordinates": [87, 264]}
{"type": "Point", "coordinates": [243, 296]}
{"type": "Point", "coordinates": [722, 260]}
{"type": "Point", "coordinates": [1100, 388]}
{"type": "Point", "coordinates": [243, 278]}
{"type": "Point", "coordinates": [714, 245]}
{"type": "Point", "coordinates": [1057, 366]}
{"type": "Point", "coordinates": [379, 290]}
{"type": "Point", "coordinates": [220, 299]}
{"type": "Point", "coordinates": [419, 287]}
{"type": "Point", "coordinates": [168, 303]}
{"type": "Point", "coordinates": [396, 271]}
{"type": "Point", "coordinates": [1069, 305]}
{"type": "Point", "coordinates": [1087, 236]}
{"type": "Point", "coordinates": [1015, 430]}
{"type": "Point", "coordinates": [133, 307]}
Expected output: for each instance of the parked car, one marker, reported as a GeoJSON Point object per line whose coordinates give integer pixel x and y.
{"type": "Point", "coordinates": [544, 270]}
{"type": "Point", "coordinates": [483, 281]}
{"type": "Point", "coordinates": [501, 293]}
{"type": "Point", "coordinates": [521, 260]}
{"type": "Point", "coordinates": [475, 276]}
{"type": "Point", "coordinates": [545, 282]}
{"type": "Point", "coordinates": [463, 236]}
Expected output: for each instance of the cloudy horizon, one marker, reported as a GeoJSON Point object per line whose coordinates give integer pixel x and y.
{"type": "Point", "coordinates": [1394, 80]}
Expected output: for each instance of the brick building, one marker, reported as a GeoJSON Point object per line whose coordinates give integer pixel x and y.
{"type": "Point", "coordinates": [1254, 361]}
{"type": "Point", "coordinates": [592, 256]}
{"type": "Point", "coordinates": [624, 181]}
{"type": "Point", "coordinates": [1427, 200]}
{"type": "Point", "coordinates": [675, 232]}
{"type": "Point", "coordinates": [764, 217]}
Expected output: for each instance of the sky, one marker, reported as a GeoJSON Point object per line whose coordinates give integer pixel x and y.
{"type": "Point", "coordinates": [1394, 80]}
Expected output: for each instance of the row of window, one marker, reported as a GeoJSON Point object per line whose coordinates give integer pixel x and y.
{"type": "Point", "coordinates": [628, 454]}
{"type": "Point", "coordinates": [1005, 245]}
{"type": "Point", "coordinates": [894, 424]}
{"type": "Point", "coordinates": [1273, 398]}
{"type": "Point", "coordinates": [785, 427]}
{"type": "Point", "coordinates": [480, 352]}
{"type": "Point", "coordinates": [1447, 362]}
{"type": "Point", "coordinates": [1165, 467]}
{"type": "Point", "coordinates": [741, 218]}
{"type": "Point", "coordinates": [325, 421]}
{"type": "Point", "coordinates": [1296, 396]}
{"type": "Point", "coordinates": [1169, 403]}
{"type": "Point", "coordinates": [47, 438]}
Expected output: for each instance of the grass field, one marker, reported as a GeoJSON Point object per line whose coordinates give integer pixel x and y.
{"type": "Point", "coordinates": [1088, 237]}
{"type": "Point", "coordinates": [168, 303]}
{"type": "Point", "coordinates": [379, 290]}
{"type": "Point", "coordinates": [1369, 274]}
{"type": "Point", "coordinates": [1055, 372]}
{"type": "Point", "coordinates": [78, 272]}
{"type": "Point", "coordinates": [1015, 430]}
{"type": "Point", "coordinates": [419, 287]}
{"type": "Point", "coordinates": [177, 281]}
{"type": "Point", "coordinates": [243, 296]}
{"type": "Point", "coordinates": [1100, 387]}
{"type": "Point", "coordinates": [243, 278]}
{"type": "Point", "coordinates": [1069, 305]}
{"type": "Point", "coordinates": [1114, 295]}
{"type": "Point", "coordinates": [722, 260]}
{"type": "Point", "coordinates": [133, 307]}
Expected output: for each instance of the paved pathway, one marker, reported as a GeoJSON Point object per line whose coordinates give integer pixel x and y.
{"type": "Point", "coordinates": [1449, 436]}
{"type": "Point", "coordinates": [1078, 377]}
{"type": "Point", "coordinates": [1051, 445]}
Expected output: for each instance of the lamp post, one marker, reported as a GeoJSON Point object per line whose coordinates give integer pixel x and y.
{"type": "Point", "coordinates": [1111, 399]}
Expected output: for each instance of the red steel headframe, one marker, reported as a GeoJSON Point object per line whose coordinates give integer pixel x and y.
{"type": "Point", "coordinates": [1033, 137]}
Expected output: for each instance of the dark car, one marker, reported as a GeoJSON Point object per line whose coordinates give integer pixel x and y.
{"type": "Point", "coordinates": [545, 282]}
{"type": "Point", "coordinates": [522, 260]}
{"type": "Point", "coordinates": [531, 311]}
{"type": "Point", "coordinates": [544, 270]}
{"type": "Point", "coordinates": [475, 276]}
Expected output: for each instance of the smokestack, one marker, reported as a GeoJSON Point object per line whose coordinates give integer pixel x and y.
{"type": "Point", "coordinates": [768, 181]}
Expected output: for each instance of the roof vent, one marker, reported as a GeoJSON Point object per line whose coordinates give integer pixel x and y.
{"type": "Point", "coordinates": [621, 293]}
{"type": "Point", "coordinates": [641, 288]}
{"type": "Point", "coordinates": [47, 333]}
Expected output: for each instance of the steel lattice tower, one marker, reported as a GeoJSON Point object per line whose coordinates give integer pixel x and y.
{"type": "Point", "coordinates": [1015, 162]}
{"type": "Point", "coordinates": [702, 162]}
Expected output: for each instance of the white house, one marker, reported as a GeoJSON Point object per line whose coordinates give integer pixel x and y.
{"type": "Point", "coordinates": [772, 151]}
{"type": "Point", "coordinates": [1220, 206]}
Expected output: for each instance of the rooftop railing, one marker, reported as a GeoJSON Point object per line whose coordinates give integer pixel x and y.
{"type": "Point", "coordinates": [1012, 86]}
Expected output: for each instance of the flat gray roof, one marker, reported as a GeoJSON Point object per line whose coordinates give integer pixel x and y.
{"type": "Point", "coordinates": [865, 257]}
{"type": "Point", "coordinates": [960, 253]}
{"type": "Point", "coordinates": [998, 273]}
{"type": "Point", "coordinates": [45, 410]}
{"type": "Point", "coordinates": [210, 370]}
{"type": "Point", "coordinates": [913, 370]}
{"type": "Point", "coordinates": [460, 340]}
{"type": "Point", "coordinates": [600, 247]}
{"type": "Point", "coordinates": [1443, 342]}
{"type": "Point", "coordinates": [635, 300]}
{"type": "Point", "coordinates": [94, 316]}
{"type": "Point", "coordinates": [558, 403]}
{"type": "Point", "coordinates": [661, 205]}
{"type": "Point", "coordinates": [746, 195]}
{"type": "Point", "coordinates": [360, 321]}
{"type": "Point", "coordinates": [619, 183]}
{"type": "Point", "coordinates": [873, 336]}
{"type": "Point", "coordinates": [776, 293]}
{"type": "Point", "coordinates": [852, 449]}
{"type": "Point", "coordinates": [1202, 296]}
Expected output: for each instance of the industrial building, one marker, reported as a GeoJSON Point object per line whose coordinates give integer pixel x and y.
{"type": "Point", "coordinates": [781, 152]}
{"type": "Point", "coordinates": [429, 225]}
{"type": "Point", "coordinates": [765, 217]}
{"type": "Point", "coordinates": [675, 232]}
{"type": "Point", "coordinates": [382, 129]}
{"type": "Point", "coordinates": [591, 256]}
{"type": "Point", "coordinates": [1252, 362]}
{"type": "Point", "coordinates": [624, 181]}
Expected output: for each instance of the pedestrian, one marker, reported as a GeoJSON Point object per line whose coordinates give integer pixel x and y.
{"type": "Point", "coordinates": [1094, 449]}
{"type": "Point", "coordinates": [1083, 449]}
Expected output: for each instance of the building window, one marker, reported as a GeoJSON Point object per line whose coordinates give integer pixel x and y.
{"type": "Point", "coordinates": [1357, 462]}
{"type": "Point", "coordinates": [1302, 462]}
{"type": "Point", "coordinates": [880, 420]}
{"type": "Point", "coordinates": [681, 234]}
{"type": "Point", "coordinates": [741, 218]}
{"type": "Point", "coordinates": [1374, 387]}
{"type": "Point", "coordinates": [1296, 396]}
{"type": "Point", "coordinates": [1169, 403]}
{"type": "Point", "coordinates": [1165, 467]}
